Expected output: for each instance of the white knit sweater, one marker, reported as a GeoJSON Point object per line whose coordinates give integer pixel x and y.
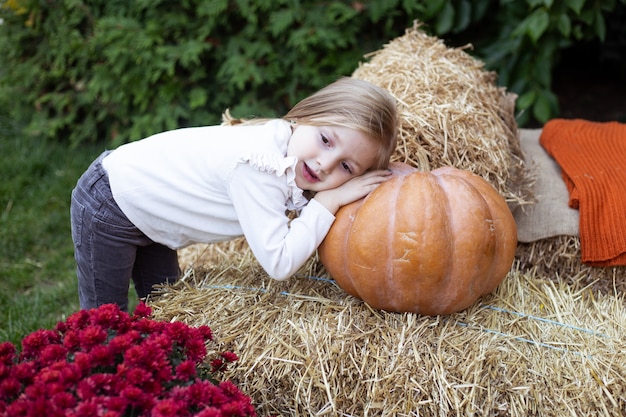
{"type": "Point", "coordinates": [210, 184]}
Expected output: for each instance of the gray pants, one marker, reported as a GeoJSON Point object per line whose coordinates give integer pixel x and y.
{"type": "Point", "coordinates": [109, 249]}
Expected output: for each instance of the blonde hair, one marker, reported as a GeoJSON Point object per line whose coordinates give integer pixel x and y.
{"type": "Point", "coordinates": [357, 105]}
{"type": "Point", "coordinates": [351, 103]}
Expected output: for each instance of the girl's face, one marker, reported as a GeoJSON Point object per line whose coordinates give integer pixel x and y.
{"type": "Point", "coordinates": [328, 156]}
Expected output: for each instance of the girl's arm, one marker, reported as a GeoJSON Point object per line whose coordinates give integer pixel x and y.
{"type": "Point", "coordinates": [281, 246]}
{"type": "Point", "coordinates": [355, 189]}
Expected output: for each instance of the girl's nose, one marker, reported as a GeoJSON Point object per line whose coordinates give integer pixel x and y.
{"type": "Point", "coordinates": [329, 159]}
{"type": "Point", "coordinates": [326, 163]}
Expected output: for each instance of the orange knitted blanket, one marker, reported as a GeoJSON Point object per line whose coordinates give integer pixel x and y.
{"type": "Point", "coordinates": [592, 157]}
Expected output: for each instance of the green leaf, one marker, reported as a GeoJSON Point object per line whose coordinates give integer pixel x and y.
{"type": "Point", "coordinates": [463, 16]}
{"type": "Point", "coordinates": [433, 7]}
{"type": "Point", "coordinates": [541, 109]}
{"type": "Point", "coordinates": [212, 7]}
{"type": "Point", "coordinates": [545, 106]}
{"type": "Point", "coordinates": [564, 24]}
{"type": "Point", "coordinates": [575, 5]}
{"type": "Point", "coordinates": [534, 3]}
{"type": "Point", "coordinates": [378, 9]}
{"type": "Point", "coordinates": [479, 9]}
{"type": "Point", "coordinates": [587, 16]}
{"type": "Point", "coordinates": [577, 32]}
{"type": "Point", "coordinates": [537, 24]}
{"type": "Point", "coordinates": [413, 8]}
{"type": "Point", "coordinates": [541, 71]}
{"type": "Point", "coordinates": [197, 98]}
{"type": "Point", "coordinates": [445, 20]}
{"type": "Point", "coordinates": [600, 26]}
{"type": "Point", "coordinates": [526, 100]}
{"type": "Point", "coordinates": [280, 20]}
{"type": "Point", "coordinates": [340, 14]}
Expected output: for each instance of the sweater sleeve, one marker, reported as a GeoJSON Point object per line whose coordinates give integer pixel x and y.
{"type": "Point", "coordinates": [281, 246]}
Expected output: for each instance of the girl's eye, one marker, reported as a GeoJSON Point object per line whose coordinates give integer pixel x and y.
{"type": "Point", "coordinates": [346, 167]}
{"type": "Point", "coordinates": [325, 140]}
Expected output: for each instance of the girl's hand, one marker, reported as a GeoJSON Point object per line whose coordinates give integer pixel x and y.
{"type": "Point", "coordinates": [352, 190]}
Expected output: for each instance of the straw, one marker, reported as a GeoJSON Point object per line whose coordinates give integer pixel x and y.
{"type": "Point", "coordinates": [533, 347]}
{"type": "Point", "coordinates": [451, 111]}
{"type": "Point", "coordinates": [548, 341]}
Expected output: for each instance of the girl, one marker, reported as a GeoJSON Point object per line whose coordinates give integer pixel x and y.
{"type": "Point", "coordinates": [137, 204]}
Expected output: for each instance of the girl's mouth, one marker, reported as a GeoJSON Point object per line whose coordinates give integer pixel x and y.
{"type": "Point", "coordinates": [309, 174]}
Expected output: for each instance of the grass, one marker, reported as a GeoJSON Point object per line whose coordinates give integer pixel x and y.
{"type": "Point", "coordinates": [37, 271]}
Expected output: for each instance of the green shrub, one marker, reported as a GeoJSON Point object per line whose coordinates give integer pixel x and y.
{"type": "Point", "coordinates": [523, 41]}
{"type": "Point", "coordinates": [119, 70]}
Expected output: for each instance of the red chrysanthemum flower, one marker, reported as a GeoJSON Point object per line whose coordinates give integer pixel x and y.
{"type": "Point", "coordinates": [210, 412]}
{"type": "Point", "coordinates": [104, 362]}
{"type": "Point", "coordinates": [186, 371]}
{"type": "Point", "coordinates": [82, 362]}
{"type": "Point", "coordinates": [51, 354]}
{"type": "Point", "coordinates": [36, 341]}
{"type": "Point", "coordinates": [169, 407]}
{"type": "Point", "coordinates": [101, 356]}
{"type": "Point", "coordinates": [92, 336]}
{"type": "Point", "coordinates": [229, 357]}
{"type": "Point", "coordinates": [206, 332]}
{"type": "Point", "coordinates": [142, 310]}
{"type": "Point", "coordinates": [7, 353]}
{"type": "Point", "coordinates": [76, 321]}
{"type": "Point", "coordinates": [111, 317]}
{"type": "Point", "coordinates": [137, 398]}
{"type": "Point", "coordinates": [9, 388]}
{"type": "Point", "coordinates": [24, 371]}
{"type": "Point", "coordinates": [122, 342]}
{"type": "Point", "coordinates": [4, 371]}
{"type": "Point", "coordinates": [63, 401]}
{"type": "Point", "coordinates": [71, 339]}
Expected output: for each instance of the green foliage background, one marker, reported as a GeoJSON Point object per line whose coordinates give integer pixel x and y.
{"type": "Point", "coordinates": [118, 70]}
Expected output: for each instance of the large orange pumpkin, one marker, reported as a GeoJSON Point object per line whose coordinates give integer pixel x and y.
{"type": "Point", "coordinates": [423, 242]}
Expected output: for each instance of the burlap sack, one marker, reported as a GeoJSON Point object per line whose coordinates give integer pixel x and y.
{"type": "Point", "coordinates": [551, 215]}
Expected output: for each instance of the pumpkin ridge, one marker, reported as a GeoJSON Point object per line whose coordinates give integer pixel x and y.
{"type": "Point", "coordinates": [331, 247]}
{"type": "Point", "coordinates": [430, 253]}
{"type": "Point", "coordinates": [492, 246]}
{"type": "Point", "coordinates": [498, 205]}
{"type": "Point", "coordinates": [496, 249]}
{"type": "Point", "coordinates": [451, 289]}
{"type": "Point", "coordinates": [346, 244]}
{"type": "Point", "coordinates": [389, 267]}
{"type": "Point", "coordinates": [366, 231]}
{"type": "Point", "coordinates": [486, 193]}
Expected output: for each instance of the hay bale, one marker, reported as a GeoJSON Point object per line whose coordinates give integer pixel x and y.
{"type": "Point", "coordinates": [451, 111]}
{"type": "Point", "coordinates": [547, 342]}
{"type": "Point", "coordinates": [206, 255]}
{"type": "Point", "coordinates": [559, 258]}
{"type": "Point", "coordinates": [533, 347]}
